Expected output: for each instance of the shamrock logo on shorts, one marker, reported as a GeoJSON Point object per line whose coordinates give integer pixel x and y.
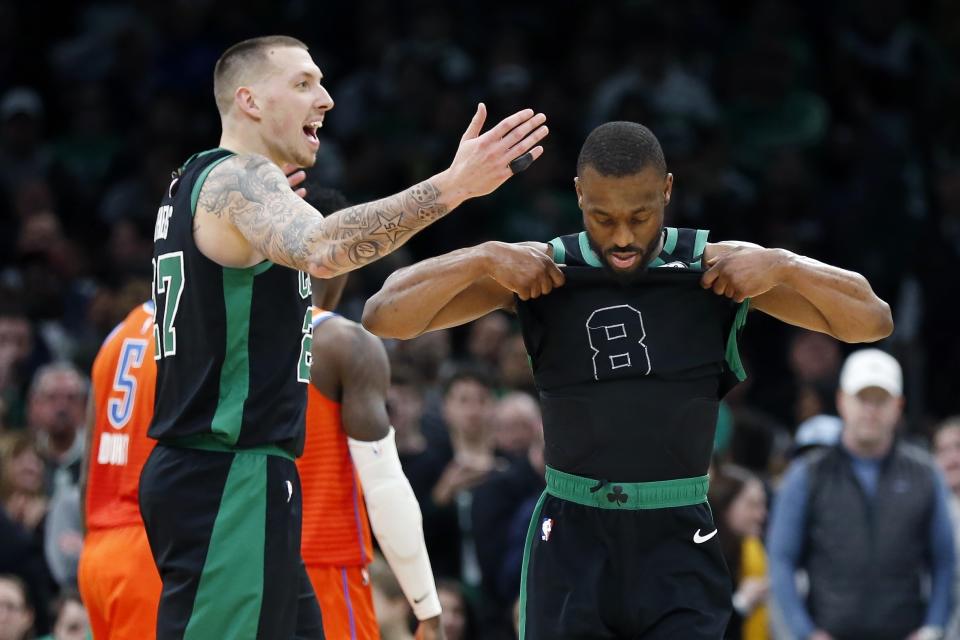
{"type": "Point", "coordinates": [618, 495]}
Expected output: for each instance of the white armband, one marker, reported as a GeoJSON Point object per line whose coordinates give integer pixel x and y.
{"type": "Point", "coordinates": [396, 521]}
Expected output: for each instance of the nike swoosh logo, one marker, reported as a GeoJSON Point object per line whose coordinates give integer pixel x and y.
{"type": "Point", "coordinates": [290, 490]}
{"type": "Point", "coordinates": [699, 539]}
{"type": "Point", "coordinates": [420, 599]}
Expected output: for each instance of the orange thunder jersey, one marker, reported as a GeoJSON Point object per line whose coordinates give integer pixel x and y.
{"type": "Point", "coordinates": [335, 527]}
{"type": "Point", "coordinates": [124, 377]}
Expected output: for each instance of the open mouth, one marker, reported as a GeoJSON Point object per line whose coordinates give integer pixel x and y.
{"type": "Point", "coordinates": [623, 260]}
{"type": "Point", "coordinates": [310, 131]}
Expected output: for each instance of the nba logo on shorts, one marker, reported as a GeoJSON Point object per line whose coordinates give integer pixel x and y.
{"type": "Point", "coordinates": [546, 526]}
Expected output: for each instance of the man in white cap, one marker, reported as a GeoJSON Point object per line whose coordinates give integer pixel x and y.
{"type": "Point", "coordinates": [867, 520]}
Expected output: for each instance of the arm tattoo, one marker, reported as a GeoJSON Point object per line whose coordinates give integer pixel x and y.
{"type": "Point", "coordinates": [253, 193]}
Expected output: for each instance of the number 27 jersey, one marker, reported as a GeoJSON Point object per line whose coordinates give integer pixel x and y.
{"type": "Point", "coordinates": [232, 345]}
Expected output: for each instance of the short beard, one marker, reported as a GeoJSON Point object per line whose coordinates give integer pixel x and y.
{"type": "Point", "coordinates": [628, 277]}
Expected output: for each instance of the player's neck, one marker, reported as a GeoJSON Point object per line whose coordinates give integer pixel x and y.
{"type": "Point", "coordinates": [242, 142]}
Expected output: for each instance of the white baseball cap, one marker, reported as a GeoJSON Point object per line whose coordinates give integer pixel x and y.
{"type": "Point", "coordinates": [821, 429]}
{"type": "Point", "coordinates": [871, 368]}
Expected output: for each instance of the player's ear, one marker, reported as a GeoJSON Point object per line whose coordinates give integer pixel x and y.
{"type": "Point", "coordinates": [244, 100]}
{"type": "Point", "coordinates": [576, 186]}
{"type": "Point", "coordinates": [667, 189]}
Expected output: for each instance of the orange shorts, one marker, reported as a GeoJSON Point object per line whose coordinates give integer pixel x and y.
{"type": "Point", "coordinates": [346, 602]}
{"type": "Point", "coordinates": [119, 584]}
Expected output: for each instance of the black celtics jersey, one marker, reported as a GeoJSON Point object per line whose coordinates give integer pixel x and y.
{"type": "Point", "coordinates": [630, 376]}
{"type": "Point", "coordinates": [232, 345]}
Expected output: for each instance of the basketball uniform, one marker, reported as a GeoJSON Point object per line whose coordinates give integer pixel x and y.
{"type": "Point", "coordinates": [220, 494]}
{"type": "Point", "coordinates": [622, 544]}
{"type": "Point", "coordinates": [117, 577]}
{"type": "Point", "coordinates": [336, 543]}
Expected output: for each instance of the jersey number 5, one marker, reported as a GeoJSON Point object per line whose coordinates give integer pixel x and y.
{"type": "Point", "coordinates": [119, 408]}
{"type": "Point", "coordinates": [167, 281]}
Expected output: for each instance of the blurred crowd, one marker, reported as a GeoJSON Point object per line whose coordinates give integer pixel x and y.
{"type": "Point", "coordinates": [827, 128]}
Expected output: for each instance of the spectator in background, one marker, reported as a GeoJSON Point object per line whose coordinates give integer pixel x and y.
{"type": "Point", "coordinates": [495, 501]}
{"type": "Point", "coordinates": [16, 614]}
{"type": "Point", "coordinates": [485, 336]}
{"type": "Point", "coordinates": [70, 618]}
{"type": "Point", "coordinates": [467, 411]}
{"type": "Point", "coordinates": [739, 500]}
{"type": "Point", "coordinates": [55, 412]}
{"type": "Point", "coordinates": [867, 520]}
{"type": "Point", "coordinates": [23, 505]}
{"type": "Point", "coordinates": [516, 423]}
{"type": "Point", "coordinates": [23, 152]}
{"type": "Point", "coordinates": [815, 363]}
{"type": "Point", "coordinates": [817, 432]}
{"type": "Point", "coordinates": [458, 618]}
{"type": "Point", "coordinates": [22, 482]}
{"type": "Point", "coordinates": [393, 611]}
{"type": "Point", "coordinates": [421, 462]}
{"type": "Point", "coordinates": [514, 363]}
{"type": "Point", "coordinates": [946, 447]}
{"type": "Point", "coordinates": [16, 346]}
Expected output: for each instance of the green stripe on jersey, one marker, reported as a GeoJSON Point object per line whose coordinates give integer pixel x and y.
{"type": "Point", "coordinates": [230, 593]}
{"type": "Point", "coordinates": [195, 194]}
{"type": "Point", "coordinates": [525, 565]}
{"type": "Point", "coordinates": [235, 372]}
{"type": "Point", "coordinates": [698, 246]}
{"type": "Point", "coordinates": [559, 251]}
{"type": "Point", "coordinates": [733, 349]}
{"type": "Point", "coordinates": [671, 242]}
{"type": "Point", "coordinates": [589, 256]}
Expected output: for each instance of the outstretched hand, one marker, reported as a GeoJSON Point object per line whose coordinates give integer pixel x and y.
{"type": "Point", "coordinates": [744, 272]}
{"type": "Point", "coordinates": [482, 162]}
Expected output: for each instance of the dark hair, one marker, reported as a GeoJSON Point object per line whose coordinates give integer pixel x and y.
{"type": "Point", "coordinates": [947, 423]}
{"type": "Point", "coordinates": [240, 57]}
{"type": "Point", "coordinates": [621, 149]}
{"type": "Point", "coordinates": [66, 596]}
{"type": "Point", "coordinates": [402, 374]}
{"type": "Point", "coordinates": [469, 372]}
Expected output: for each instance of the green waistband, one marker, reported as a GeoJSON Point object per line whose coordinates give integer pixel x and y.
{"type": "Point", "coordinates": [208, 442]}
{"type": "Point", "coordinates": [681, 492]}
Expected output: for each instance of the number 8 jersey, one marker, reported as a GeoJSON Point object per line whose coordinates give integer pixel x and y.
{"type": "Point", "coordinates": [630, 376]}
{"type": "Point", "coordinates": [232, 345]}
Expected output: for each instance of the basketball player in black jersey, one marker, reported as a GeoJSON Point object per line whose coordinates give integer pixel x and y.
{"type": "Point", "coordinates": [632, 350]}
{"type": "Point", "coordinates": [234, 249]}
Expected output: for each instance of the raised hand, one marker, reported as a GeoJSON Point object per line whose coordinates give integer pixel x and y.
{"type": "Point", "coordinates": [482, 162]}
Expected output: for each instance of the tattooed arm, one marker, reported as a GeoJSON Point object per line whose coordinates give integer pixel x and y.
{"type": "Point", "coordinates": [252, 193]}
{"type": "Point", "coordinates": [266, 219]}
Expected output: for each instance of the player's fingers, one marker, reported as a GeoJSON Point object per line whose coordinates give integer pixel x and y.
{"type": "Point", "coordinates": [301, 192]}
{"type": "Point", "coordinates": [709, 277]}
{"type": "Point", "coordinates": [476, 124]}
{"type": "Point", "coordinates": [296, 178]}
{"type": "Point", "coordinates": [528, 143]}
{"type": "Point", "coordinates": [556, 275]}
{"type": "Point", "coordinates": [523, 130]}
{"type": "Point", "coordinates": [720, 286]}
{"type": "Point", "coordinates": [510, 123]}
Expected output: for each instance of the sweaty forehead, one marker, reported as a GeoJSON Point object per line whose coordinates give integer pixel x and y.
{"type": "Point", "coordinates": [644, 188]}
